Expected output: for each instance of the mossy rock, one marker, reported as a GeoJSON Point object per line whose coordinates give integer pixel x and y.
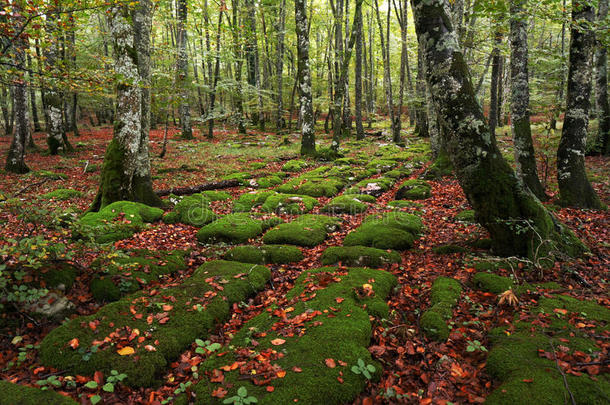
{"type": "Point", "coordinates": [266, 254]}
{"type": "Point", "coordinates": [330, 329]}
{"type": "Point", "coordinates": [465, 216]}
{"type": "Point", "coordinates": [232, 228]}
{"type": "Point", "coordinates": [448, 249]}
{"type": "Point", "coordinates": [359, 256]}
{"type": "Point", "coordinates": [118, 220]}
{"type": "Point", "coordinates": [289, 204]}
{"type": "Point", "coordinates": [313, 187]}
{"type": "Point", "coordinates": [592, 310]}
{"type": "Point", "coordinates": [348, 204]}
{"type": "Point", "coordinates": [295, 165]}
{"type": "Point", "coordinates": [191, 210]}
{"type": "Point", "coordinates": [444, 295]}
{"type": "Point", "coordinates": [216, 195]}
{"type": "Point", "coordinates": [374, 187]}
{"type": "Point", "coordinates": [47, 174]}
{"type": "Point", "coordinates": [382, 165]}
{"type": "Point", "coordinates": [440, 168]}
{"type": "Point", "coordinates": [404, 204]}
{"type": "Point", "coordinates": [492, 283]}
{"type": "Point", "coordinates": [392, 230]}
{"type": "Point", "coordinates": [169, 319]}
{"type": "Point", "coordinates": [241, 176]}
{"type": "Point", "coordinates": [257, 165]}
{"type": "Point", "coordinates": [413, 189]}
{"type": "Point", "coordinates": [59, 275]}
{"type": "Point", "coordinates": [480, 243]}
{"type": "Point", "coordinates": [399, 173]}
{"type": "Point", "coordinates": [62, 194]}
{"type": "Point", "coordinates": [247, 201]}
{"type": "Point", "coordinates": [15, 394]}
{"type": "Point", "coordinates": [118, 276]}
{"type": "Point", "coordinates": [306, 230]}
{"type": "Point", "coordinates": [265, 182]}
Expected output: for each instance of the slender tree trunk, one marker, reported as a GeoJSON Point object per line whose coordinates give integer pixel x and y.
{"type": "Point", "coordinates": [237, 49]}
{"type": "Point", "coordinates": [308, 140]}
{"type": "Point", "coordinates": [183, 71]}
{"type": "Point", "coordinates": [279, 66]}
{"type": "Point", "coordinates": [346, 120]}
{"type": "Point", "coordinates": [560, 88]}
{"type": "Point", "coordinates": [525, 156]}
{"type": "Point", "coordinates": [339, 86]}
{"type": "Point", "coordinates": [421, 114]}
{"type": "Point", "coordinates": [35, 119]}
{"type": "Point", "coordinates": [495, 80]}
{"type": "Point", "coordinates": [516, 220]}
{"type": "Point", "coordinates": [252, 60]}
{"type": "Point", "coordinates": [126, 169]}
{"type": "Point", "coordinates": [6, 95]}
{"type": "Point", "coordinates": [601, 86]}
{"type": "Point", "coordinates": [216, 77]}
{"type": "Point", "coordinates": [358, 74]}
{"type": "Point", "coordinates": [574, 187]}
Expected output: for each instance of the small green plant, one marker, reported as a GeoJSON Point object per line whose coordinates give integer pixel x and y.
{"type": "Point", "coordinates": [114, 378]}
{"type": "Point", "coordinates": [204, 347]}
{"type": "Point", "coordinates": [241, 398]}
{"type": "Point", "coordinates": [182, 388]}
{"type": "Point", "coordinates": [475, 345]}
{"type": "Point", "coordinates": [362, 368]}
{"type": "Point", "coordinates": [51, 381]}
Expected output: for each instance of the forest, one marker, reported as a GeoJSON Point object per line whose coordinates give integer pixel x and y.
{"type": "Point", "coordinates": [316, 202]}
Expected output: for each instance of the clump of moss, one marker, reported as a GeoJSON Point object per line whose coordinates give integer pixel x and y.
{"type": "Point", "coordinates": [232, 228]}
{"type": "Point", "coordinates": [492, 283]}
{"type": "Point", "coordinates": [440, 168]}
{"type": "Point", "coordinates": [465, 216]}
{"type": "Point", "coordinates": [247, 201]}
{"type": "Point", "coordinates": [295, 165]}
{"type": "Point", "coordinates": [289, 204]}
{"type": "Point", "coordinates": [60, 275]}
{"type": "Point", "coordinates": [413, 189]}
{"type": "Point", "coordinates": [241, 176]}
{"type": "Point", "coordinates": [266, 254]}
{"type": "Point", "coordinates": [118, 276]}
{"type": "Point", "coordinates": [382, 165]}
{"type": "Point", "coordinates": [443, 297]}
{"type": "Point", "coordinates": [348, 204]}
{"type": "Point", "coordinates": [216, 195]}
{"type": "Point", "coordinates": [404, 204]}
{"type": "Point", "coordinates": [265, 182]}
{"type": "Point", "coordinates": [329, 329]}
{"type": "Point", "coordinates": [117, 221]}
{"type": "Point", "coordinates": [359, 256]}
{"type": "Point", "coordinates": [374, 187]}
{"type": "Point", "coordinates": [62, 194]}
{"type": "Point", "coordinates": [480, 243]}
{"type": "Point", "coordinates": [392, 230]}
{"type": "Point", "coordinates": [47, 174]}
{"type": "Point", "coordinates": [399, 173]}
{"type": "Point", "coordinates": [168, 320]}
{"type": "Point", "coordinates": [19, 394]}
{"type": "Point", "coordinates": [313, 186]}
{"type": "Point", "coordinates": [192, 210]}
{"type": "Point", "coordinates": [306, 230]}
{"type": "Point", "coordinates": [448, 249]}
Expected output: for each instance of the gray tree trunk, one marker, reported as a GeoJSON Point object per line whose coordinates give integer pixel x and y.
{"type": "Point", "coordinates": [516, 220]}
{"type": "Point", "coordinates": [238, 55]}
{"type": "Point", "coordinates": [574, 187]}
{"type": "Point", "coordinates": [358, 75]}
{"type": "Point", "coordinates": [525, 156]}
{"type": "Point", "coordinates": [215, 79]}
{"type": "Point", "coordinates": [601, 86]}
{"type": "Point", "coordinates": [183, 71]}
{"type": "Point", "coordinates": [252, 60]}
{"type": "Point", "coordinates": [279, 66]}
{"type": "Point", "coordinates": [421, 114]}
{"type": "Point", "coordinates": [495, 80]}
{"type": "Point", "coordinates": [35, 119]}
{"type": "Point", "coordinates": [308, 140]}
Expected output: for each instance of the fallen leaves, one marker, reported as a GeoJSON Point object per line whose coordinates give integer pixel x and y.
{"type": "Point", "coordinates": [330, 363]}
{"type": "Point", "coordinates": [126, 351]}
{"type": "Point", "coordinates": [278, 342]}
{"type": "Point", "coordinates": [73, 343]}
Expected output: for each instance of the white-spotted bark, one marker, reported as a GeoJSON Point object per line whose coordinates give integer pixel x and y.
{"type": "Point", "coordinates": [183, 71]}
{"type": "Point", "coordinates": [308, 140]}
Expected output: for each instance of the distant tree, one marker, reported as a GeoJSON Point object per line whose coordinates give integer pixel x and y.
{"type": "Point", "coordinates": [308, 139]}
{"type": "Point", "coordinates": [252, 60]}
{"type": "Point", "coordinates": [358, 75]}
{"type": "Point", "coordinates": [183, 71]}
{"type": "Point", "coordinates": [601, 85]}
{"type": "Point", "coordinates": [279, 65]}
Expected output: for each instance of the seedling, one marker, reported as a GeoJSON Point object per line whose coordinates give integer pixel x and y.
{"type": "Point", "coordinates": [475, 345]}
{"type": "Point", "coordinates": [364, 369]}
{"type": "Point", "coordinates": [204, 347]}
{"type": "Point", "coordinates": [241, 398]}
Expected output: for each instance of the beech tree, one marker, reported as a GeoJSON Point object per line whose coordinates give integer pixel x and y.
{"type": "Point", "coordinates": [601, 86]}
{"type": "Point", "coordinates": [308, 140]}
{"type": "Point", "coordinates": [183, 71]}
{"type": "Point", "coordinates": [516, 220]}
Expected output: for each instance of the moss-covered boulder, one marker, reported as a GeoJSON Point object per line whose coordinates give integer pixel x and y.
{"type": "Point", "coordinates": [348, 204]}
{"type": "Point", "coordinates": [116, 276]}
{"type": "Point", "coordinates": [382, 165]}
{"type": "Point", "coordinates": [58, 275]}
{"type": "Point", "coordinates": [265, 182]}
{"type": "Point", "coordinates": [404, 204]}
{"type": "Point", "coordinates": [62, 194]}
{"type": "Point", "coordinates": [374, 187]}
{"type": "Point", "coordinates": [313, 186]}
{"type": "Point", "coordinates": [398, 173]}
{"type": "Point", "coordinates": [413, 189]}
{"type": "Point", "coordinates": [392, 230]}
{"type": "Point", "coordinates": [232, 228]}
{"type": "Point", "coordinates": [448, 249]}
{"type": "Point", "coordinates": [443, 297]}
{"type": "Point", "coordinates": [306, 230]}
{"type": "Point", "coordinates": [192, 210]}
{"type": "Point", "coordinates": [266, 254]}
{"type": "Point", "coordinates": [295, 165]}
{"type": "Point", "coordinates": [216, 195]}
{"type": "Point", "coordinates": [163, 323]}
{"type": "Point", "coordinates": [248, 201]}
{"type": "Point", "coordinates": [15, 394]}
{"type": "Point", "coordinates": [441, 167]}
{"type": "Point", "coordinates": [117, 221]}
{"type": "Point", "coordinates": [289, 204]}
{"type": "Point", "coordinates": [465, 216]}
{"type": "Point", "coordinates": [359, 256]}
{"type": "Point", "coordinates": [492, 283]}
{"type": "Point", "coordinates": [306, 348]}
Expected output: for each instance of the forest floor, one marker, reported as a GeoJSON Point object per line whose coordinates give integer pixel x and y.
{"type": "Point", "coordinates": [416, 368]}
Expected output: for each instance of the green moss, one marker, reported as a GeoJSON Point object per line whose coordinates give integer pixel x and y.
{"type": "Point", "coordinates": [265, 182]}
{"type": "Point", "coordinates": [392, 230]}
{"type": "Point", "coordinates": [399, 173]}
{"type": "Point", "coordinates": [314, 187]}
{"type": "Point", "coordinates": [440, 168]}
{"type": "Point", "coordinates": [434, 326]}
{"type": "Point", "coordinates": [13, 394]}
{"type": "Point", "coordinates": [465, 216]}
{"type": "Point", "coordinates": [347, 204]}
{"type": "Point", "coordinates": [359, 256]}
{"type": "Point", "coordinates": [170, 320]}
{"type": "Point", "coordinates": [232, 228]}
{"type": "Point", "coordinates": [47, 174]}
{"type": "Point", "coordinates": [413, 189]}
{"type": "Point", "coordinates": [276, 254]}
{"type": "Point", "coordinates": [335, 330]}
{"type": "Point", "coordinates": [192, 210]}
{"type": "Point", "coordinates": [118, 220]}
{"type": "Point", "coordinates": [62, 194]}
{"type": "Point", "coordinates": [289, 204]}
{"type": "Point", "coordinates": [104, 289]}
{"type": "Point", "coordinates": [295, 165]}
{"type": "Point", "coordinates": [592, 310]}
{"type": "Point", "coordinates": [58, 275]}
{"type": "Point", "coordinates": [404, 204]}
{"type": "Point", "coordinates": [443, 296]}
{"type": "Point", "coordinates": [492, 283]}
{"type": "Point", "coordinates": [257, 165]}
{"type": "Point", "coordinates": [448, 249]}
{"type": "Point", "coordinates": [382, 165]}
{"type": "Point", "coordinates": [241, 176]}
{"type": "Point", "coordinates": [483, 243]}
{"type": "Point", "coordinates": [306, 230]}
{"type": "Point", "coordinates": [216, 195]}
{"type": "Point", "coordinates": [247, 201]}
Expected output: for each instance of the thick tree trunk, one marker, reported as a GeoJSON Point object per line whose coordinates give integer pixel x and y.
{"type": "Point", "coordinates": [574, 187]}
{"type": "Point", "coordinates": [308, 140]}
{"type": "Point", "coordinates": [183, 71]}
{"type": "Point", "coordinates": [516, 220]}
{"type": "Point", "coordinates": [126, 169]}
{"type": "Point", "coordinates": [525, 156]}
{"type": "Point", "coordinates": [601, 87]}
{"type": "Point", "coordinates": [279, 67]}
{"type": "Point", "coordinates": [358, 75]}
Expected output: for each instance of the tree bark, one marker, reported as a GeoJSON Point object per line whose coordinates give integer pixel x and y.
{"type": "Point", "coordinates": [183, 71]}
{"type": "Point", "coordinates": [279, 67]}
{"type": "Point", "coordinates": [525, 156]}
{"type": "Point", "coordinates": [601, 86]}
{"type": "Point", "coordinates": [126, 169]}
{"type": "Point", "coordinates": [211, 111]}
{"type": "Point", "coordinates": [574, 187]}
{"type": "Point", "coordinates": [516, 220]}
{"type": "Point", "coordinates": [252, 60]}
{"type": "Point", "coordinates": [308, 140]}
{"type": "Point", "coordinates": [35, 119]}
{"type": "Point", "coordinates": [495, 80]}
{"type": "Point", "coordinates": [421, 114]}
{"type": "Point", "coordinates": [238, 55]}
{"type": "Point", "coordinates": [358, 75]}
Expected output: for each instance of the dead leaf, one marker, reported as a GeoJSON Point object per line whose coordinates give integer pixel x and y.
{"type": "Point", "coordinates": [126, 351]}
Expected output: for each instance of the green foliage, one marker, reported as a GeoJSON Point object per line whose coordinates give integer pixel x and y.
{"type": "Point", "coordinates": [232, 228]}
{"type": "Point", "coordinates": [393, 230]}
{"type": "Point", "coordinates": [62, 194]}
{"type": "Point", "coordinates": [306, 230]}
{"type": "Point", "coordinates": [364, 369]}
{"type": "Point", "coordinates": [18, 394]}
{"type": "Point", "coordinates": [295, 165]}
{"type": "Point", "coordinates": [359, 256]}
{"type": "Point", "coordinates": [242, 398]}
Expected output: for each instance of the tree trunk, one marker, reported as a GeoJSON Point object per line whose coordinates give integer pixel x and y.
{"type": "Point", "coordinates": [237, 49]}
{"type": "Point", "coordinates": [126, 169]}
{"type": "Point", "coordinates": [35, 119]}
{"type": "Point", "coordinates": [516, 220]}
{"type": "Point", "coordinates": [560, 88]}
{"type": "Point", "coordinates": [601, 87]}
{"type": "Point", "coordinates": [8, 114]}
{"type": "Point", "coordinates": [525, 156]}
{"type": "Point", "coordinates": [216, 78]}
{"type": "Point", "coordinates": [252, 60]}
{"type": "Point", "coordinates": [308, 140]}
{"type": "Point", "coordinates": [574, 187]}
{"type": "Point", "coordinates": [279, 66]}
{"type": "Point", "coordinates": [495, 80]}
{"type": "Point", "coordinates": [183, 71]}
{"type": "Point", "coordinates": [421, 115]}
{"type": "Point", "coordinates": [358, 75]}
{"type": "Point", "coordinates": [346, 120]}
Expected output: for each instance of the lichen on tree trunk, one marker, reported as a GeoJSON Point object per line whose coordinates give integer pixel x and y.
{"type": "Point", "coordinates": [308, 140]}
{"type": "Point", "coordinates": [516, 220]}
{"type": "Point", "coordinates": [182, 65]}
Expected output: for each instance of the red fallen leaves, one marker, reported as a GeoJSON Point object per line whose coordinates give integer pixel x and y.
{"type": "Point", "coordinates": [219, 392]}
{"type": "Point", "coordinates": [73, 343]}
{"type": "Point", "coordinates": [330, 363]}
{"type": "Point", "coordinates": [278, 342]}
